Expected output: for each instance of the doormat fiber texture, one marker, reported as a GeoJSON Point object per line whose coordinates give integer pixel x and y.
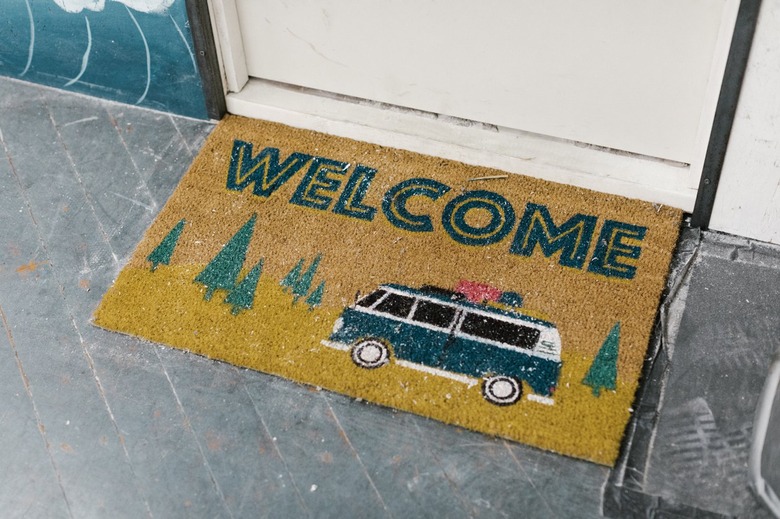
{"type": "Point", "coordinates": [501, 303]}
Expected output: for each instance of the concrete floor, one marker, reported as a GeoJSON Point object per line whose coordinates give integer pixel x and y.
{"type": "Point", "coordinates": [94, 424]}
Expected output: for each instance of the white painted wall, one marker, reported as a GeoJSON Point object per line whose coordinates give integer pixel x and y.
{"type": "Point", "coordinates": [748, 197]}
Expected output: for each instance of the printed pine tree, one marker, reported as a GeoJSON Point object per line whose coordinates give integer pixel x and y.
{"type": "Point", "coordinates": [163, 252]}
{"type": "Point", "coordinates": [291, 278]}
{"type": "Point", "coordinates": [243, 296]}
{"type": "Point", "coordinates": [221, 273]}
{"type": "Point", "coordinates": [603, 371]}
{"type": "Point", "coordinates": [299, 282]}
{"type": "Point", "coordinates": [315, 298]}
{"type": "Point", "coordinates": [303, 284]}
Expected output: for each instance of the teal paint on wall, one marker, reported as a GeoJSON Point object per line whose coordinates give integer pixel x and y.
{"type": "Point", "coordinates": [132, 51]}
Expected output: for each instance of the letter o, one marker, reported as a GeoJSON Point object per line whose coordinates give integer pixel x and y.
{"type": "Point", "coordinates": [502, 218]}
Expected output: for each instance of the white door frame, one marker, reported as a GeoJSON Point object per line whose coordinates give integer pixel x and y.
{"type": "Point", "coordinates": [747, 169]}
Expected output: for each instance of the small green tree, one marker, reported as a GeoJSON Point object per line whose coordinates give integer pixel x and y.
{"type": "Point", "coordinates": [603, 371]}
{"type": "Point", "coordinates": [243, 296]}
{"type": "Point", "coordinates": [291, 278]}
{"type": "Point", "coordinates": [163, 252]}
{"type": "Point", "coordinates": [303, 284]}
{"type": "Point", "coordinates": [315, 298]}
{"type": "Point", "coordinates": [222, 271]}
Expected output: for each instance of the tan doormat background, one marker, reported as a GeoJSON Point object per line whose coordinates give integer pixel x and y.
{"type": "Point", "coordinates": [501, 303]}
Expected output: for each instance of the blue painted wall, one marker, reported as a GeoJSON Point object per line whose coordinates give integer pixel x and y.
{"type": "Point", "coordinates": [108, 48]}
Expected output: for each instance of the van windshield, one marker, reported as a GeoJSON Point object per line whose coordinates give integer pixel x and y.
{"type": "Point", "coordinates": [371, 298]}
{"type": "Point", "coordinates": [499, 330]}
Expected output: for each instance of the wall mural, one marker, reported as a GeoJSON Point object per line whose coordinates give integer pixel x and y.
{"type": "Point", "coordinates": [133, 51]}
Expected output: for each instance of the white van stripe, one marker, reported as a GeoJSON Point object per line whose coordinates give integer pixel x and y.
{"type": "Point", "coordinates": [335, 345]}
{"type": "Point", "coordinates": [546, 400]}
{"type": "Point", "coordinates": [469, 381]}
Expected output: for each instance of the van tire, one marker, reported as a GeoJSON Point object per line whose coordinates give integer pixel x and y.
{"type": "Point", "coordinates": [502, 390]}
{"type": "Point", "coordinates": [370, 354]}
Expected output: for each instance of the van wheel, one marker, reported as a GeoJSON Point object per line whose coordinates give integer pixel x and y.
{"type": "Point", "coordinates": [501, 390]}
{"type": "Point", "coordinates": [370, 354]}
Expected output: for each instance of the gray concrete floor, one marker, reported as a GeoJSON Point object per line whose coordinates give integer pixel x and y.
{"type": "Point", "coordinates": [94, 424]}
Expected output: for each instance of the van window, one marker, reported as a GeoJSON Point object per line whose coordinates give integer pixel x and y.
{"type": "Point", "coordinates": [435, 314]}
{"type": "Point", "coordinates": [499, 331]}
{"type": "Point", "coordinates": [371, 298]}
{"type": "Point", "coordinates": [395, 304]}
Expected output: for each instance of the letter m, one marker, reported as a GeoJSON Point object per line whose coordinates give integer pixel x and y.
{"type": "Point", "coordinates": [571, 238]}
{"type": "Point", "coordinates": [264, 170]}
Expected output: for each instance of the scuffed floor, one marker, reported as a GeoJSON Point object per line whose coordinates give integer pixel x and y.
{"type": "Point", "coordinates": [690, 452]}
{"type": "Point", "coordinates": [94, 424]}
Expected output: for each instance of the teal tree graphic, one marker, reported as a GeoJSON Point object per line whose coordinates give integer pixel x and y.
{"type": "Point", "coordinates": [243, 296]}
{"type": "Point", "coordinates": [299, 282]}
{"type": "Point", "coordinates": [163, 252]}
{"type": "Point", "coordinates": [289, 281]}
{"type": "Point", "coordinates": [303, 284]}
{"type": "Point", "coordinates": [603, 371]}
{"type": "Point", "coordinates": [221, 273]}
{"type": "Point", "coordinates": [315, 298]}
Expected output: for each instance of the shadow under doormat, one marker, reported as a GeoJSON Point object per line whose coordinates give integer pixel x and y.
{"type": "Point", "coordinates": [501, 303]}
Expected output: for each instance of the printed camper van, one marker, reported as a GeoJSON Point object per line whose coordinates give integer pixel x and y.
{"type": "Point", "coordinates": [442, 333]}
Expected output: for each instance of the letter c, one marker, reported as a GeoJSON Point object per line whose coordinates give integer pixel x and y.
{"type": "Point", "coordinates": [394, 203]}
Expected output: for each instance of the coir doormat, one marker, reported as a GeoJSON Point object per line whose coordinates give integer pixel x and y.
{"type": "Point", "coordinates": [505, 304]}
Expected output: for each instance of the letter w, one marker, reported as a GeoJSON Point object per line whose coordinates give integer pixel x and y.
{"type": "Point", "coordinates": [572, 238]}
{"type": "Point", "coordinates": [264, 170]}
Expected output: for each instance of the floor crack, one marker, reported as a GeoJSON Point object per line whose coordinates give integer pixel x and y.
{"type": "Point", "coordinates": [276, 447]}
{"type": "Point", "coordinates": [343, 434]}
{"type": "Point", "coordinates": [188, 425]}
{"type": "Point", "coordinates": [38, 421]}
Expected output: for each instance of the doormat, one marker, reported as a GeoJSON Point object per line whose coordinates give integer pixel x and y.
{"type": "Point", "coordinates": [501, 303]}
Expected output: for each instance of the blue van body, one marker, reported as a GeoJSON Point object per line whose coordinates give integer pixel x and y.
{"type": "Point", "coordinates": [434, 329]}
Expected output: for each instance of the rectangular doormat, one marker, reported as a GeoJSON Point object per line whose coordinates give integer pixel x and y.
{"type": "Point", "coordinates": [504, 304]}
